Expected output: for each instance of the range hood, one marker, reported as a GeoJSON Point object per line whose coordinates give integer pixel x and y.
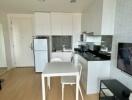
{"type": "Point", "coordinates": [90, 33]}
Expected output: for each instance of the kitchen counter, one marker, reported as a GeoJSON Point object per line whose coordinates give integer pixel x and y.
{"type": "Point", "coordinates": [94, 56]}
{"type": "Point", "coordinates": [92, 71]}
{"type": "Point", "coordinates": [95, 66]}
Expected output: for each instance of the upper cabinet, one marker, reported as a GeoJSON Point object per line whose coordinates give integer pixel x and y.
{"type": "Point", "coordinates": [56, 19]}
{"type": "Point", "coordinates": [84, 22]}
{"type": "Point", "coordinates": [99, 17]}
{"type": "Point", "coordinates": [108, 17]}
{"type": "Point", "coordinates": [67, 25]}
{"type": "Point", "coordinates": [42, 23]}
{"type": "Point", "coordinates": [61, 23]}
{"type": "Point", "coordinates": [57, 24]}
{"type": "Point", "coordinates": [76, 28]}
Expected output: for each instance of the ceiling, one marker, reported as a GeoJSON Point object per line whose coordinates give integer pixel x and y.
{"type": "Point", "coordinates": [40, 6]}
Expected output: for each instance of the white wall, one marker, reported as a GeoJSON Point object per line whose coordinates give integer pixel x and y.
{"type": "Point", "coordinates": [123, 33]}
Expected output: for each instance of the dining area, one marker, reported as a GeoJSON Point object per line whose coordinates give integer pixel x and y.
{"type": "Point", "coordinates": [69, 74]}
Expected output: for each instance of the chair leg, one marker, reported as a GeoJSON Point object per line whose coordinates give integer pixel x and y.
{"type": "Point", "coordinates": [62, 91]}
{"type": "Point", "coordinates": [1, 81]}
{"type": "Point", "coordinates": [0, 85]}
{"type": "Point", "coordinates": [81, 92]}
{"type": "Point", "coordinates": [48, 82]}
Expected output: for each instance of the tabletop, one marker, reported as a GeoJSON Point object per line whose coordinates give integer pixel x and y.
{"type": "Point", "coordinates": [57, 68]}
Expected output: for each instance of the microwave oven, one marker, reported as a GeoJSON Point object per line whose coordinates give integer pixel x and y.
{"type": "Point", "coordinates": [84, 35]}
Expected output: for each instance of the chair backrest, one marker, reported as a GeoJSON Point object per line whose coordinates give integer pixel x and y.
{"type": "Point", "coordinates": [56, 60]}
{"type": "Point", "coordinates": [79, 66]}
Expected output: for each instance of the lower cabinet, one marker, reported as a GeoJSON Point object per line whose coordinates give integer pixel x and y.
{"type": "Point", "coordinates": [92, 72]}
{"type": "Point", "coordinates": [64, 56]}
{"type": "Point", "coordinates": [84, 64]}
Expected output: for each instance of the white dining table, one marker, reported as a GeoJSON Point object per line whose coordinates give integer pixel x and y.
{"type": "Point", "coordinates": [55, 69]}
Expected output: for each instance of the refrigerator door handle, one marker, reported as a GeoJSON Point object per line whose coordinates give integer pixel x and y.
{"type": "Point", "coordinates": [31, 46]}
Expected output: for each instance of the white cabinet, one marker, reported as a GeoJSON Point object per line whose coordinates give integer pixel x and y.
{"type": "Point", "coordinates": [61, 23]}
{"type": "Point", "coordinates": [67, 23]}
{"type": "Point", "coordinates": [56, 20]}
{"type": "Point", "coordinates": [84, 24]}
{"type": "Point", "coordinates": [99, 18]}
{"type": "Point", "coordinates": [57, 24]}
{"type": "Point", "coordinates": [84, 64]}
{"type": "Point", "coordinates": [57, 55]}
{"type": "Point", "coordinates": [42, 23]}
{"type": "Point", "coordinates": [76, 28]}
{"type": "Point", "coordinates": [64, 56]}
{"type": "Point", "coordinates": [108, 17]}
{"type": "Point", "coordinates": [92, 72]}
{"type": "Point", "coordinates": [67, 56]}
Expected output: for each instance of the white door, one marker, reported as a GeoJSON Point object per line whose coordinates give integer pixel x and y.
{"type": "Point", "coordinates": [22, 39]}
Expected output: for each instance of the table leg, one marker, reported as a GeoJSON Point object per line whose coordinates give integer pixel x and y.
{"type": "Point", "coordinates": [48, 82]}
{"type": "Point", "coordinates": [77, 87]}
{"type": "Point", "coordinates": [43, 87]}
{"type": "Point", "coordinates": [0, 85]}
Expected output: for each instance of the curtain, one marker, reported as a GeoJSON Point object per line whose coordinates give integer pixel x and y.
{"type": "Point", "coordinates": [2, 49]}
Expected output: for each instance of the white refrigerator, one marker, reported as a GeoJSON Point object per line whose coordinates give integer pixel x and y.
{"type": "Point", "coordinates": [40, 53]}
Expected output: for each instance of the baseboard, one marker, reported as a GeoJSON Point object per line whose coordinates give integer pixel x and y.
{"type": "Point", "coordinates": [25, 67]}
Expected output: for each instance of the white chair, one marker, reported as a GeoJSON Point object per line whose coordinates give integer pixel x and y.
{"type": "Point", "coordinates": [53, 60]}
{"type": "Point", "coordinates": [56, 60]}
{"type": "Point", "coordinates": [70, 80]}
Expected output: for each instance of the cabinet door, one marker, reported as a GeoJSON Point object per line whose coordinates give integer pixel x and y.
{"type": "Point", "coordinates": [57, 55]}
{"type": "Point", "coordinates": [42, 24]}
{"type": "Point", "coordinates": [84, 22]}
{"type": "Point", "coordinates": [66, 24]}
{"type": "Point", "coordinates": [84, 75]}
{"type": "Point", "coordinates": [95, 17]}
{"type": "Point", "coordinates": [67, 56]}
{"type": "Point", "coordinates": [56, 20]}
{"type": "Point", "coordinates": [76, 29]}
{"type": "Point", "coordinates": [108, 17]}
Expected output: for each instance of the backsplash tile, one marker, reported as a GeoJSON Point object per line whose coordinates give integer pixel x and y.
{"type": "Point", "coordinates": [59, 41]}
{"type": "Point", "coordinates": [107, 41]}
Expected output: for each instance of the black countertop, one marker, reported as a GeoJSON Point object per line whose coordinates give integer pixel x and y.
{"type": "Point", "coordinates": [94, 55]}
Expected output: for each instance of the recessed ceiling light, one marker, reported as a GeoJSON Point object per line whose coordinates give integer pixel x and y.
{"type": "Point", "coordinates": [72, 1]}
{"type": "Point", "coordinates": [41, 0]}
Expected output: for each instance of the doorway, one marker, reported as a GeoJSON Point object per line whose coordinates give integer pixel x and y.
{"type": "Point", "coordinates": [22, 32]}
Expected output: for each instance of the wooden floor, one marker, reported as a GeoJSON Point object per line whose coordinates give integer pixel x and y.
{"type": "Point", "coordinates": [3, 70]}
{"type": "Point", "coordinates": [25, 84]}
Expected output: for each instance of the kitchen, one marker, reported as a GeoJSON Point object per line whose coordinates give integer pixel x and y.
{"type": "Point", "coordinates": [66, 51]}
{"type": "Point", "coordinates": [86, 48]}
{"type": "Point", "coordinates": [65, 41]}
